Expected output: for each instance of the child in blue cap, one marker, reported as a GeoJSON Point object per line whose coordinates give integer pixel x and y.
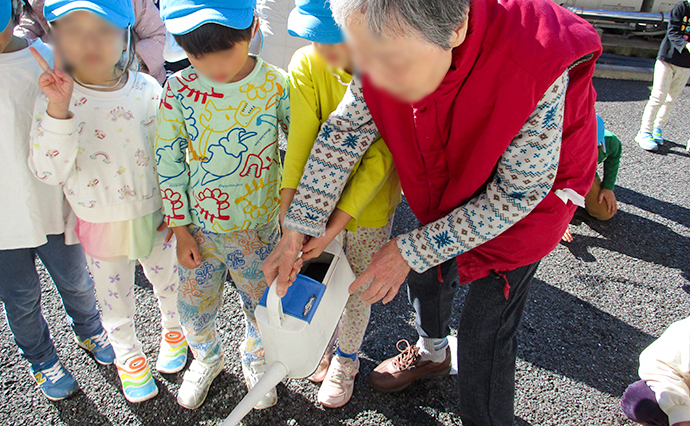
{"type": "Point", "coordinates": [600, 201]}
{"type": "Point", "coordinates": [219, 170]}
{"type": "Point", "coordinates": [38, 213]}
{"type": "Point", "coordinates": [93, 133]}
{"type": "Point", "coordinates": [319, 75]}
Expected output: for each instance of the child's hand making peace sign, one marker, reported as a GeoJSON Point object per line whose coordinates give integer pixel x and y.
{"type": "Point", "coordinates": [57, 86]}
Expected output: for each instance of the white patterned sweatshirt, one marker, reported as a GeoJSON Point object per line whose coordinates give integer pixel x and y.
{"type": "Point", "coordinates": [506, 199]}
{"type": "Point", "coordinates": [665, 367]}
{"type": "Point", "coordinates": [103, 154]}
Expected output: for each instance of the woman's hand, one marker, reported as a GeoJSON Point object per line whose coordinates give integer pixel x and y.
{"type": "Point", "coordinates": [387, 272]}
{"type": "Point", "coordinates": [56, 84]}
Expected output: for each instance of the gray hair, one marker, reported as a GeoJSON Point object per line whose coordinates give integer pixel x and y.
{"type": "Point", "coordinates": [434, 20]}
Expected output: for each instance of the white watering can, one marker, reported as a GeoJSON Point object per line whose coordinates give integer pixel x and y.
{"type": "Point", "coordinates": [297, 329]}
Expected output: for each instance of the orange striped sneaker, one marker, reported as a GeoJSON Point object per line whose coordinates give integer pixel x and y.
{"type": "Point", "coordinates": [173, 353]}
{"type": "Point", "coordinates": [137, 383]}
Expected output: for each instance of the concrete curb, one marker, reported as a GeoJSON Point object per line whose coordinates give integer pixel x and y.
{"type": "Point", "coordinates": [622, 72]}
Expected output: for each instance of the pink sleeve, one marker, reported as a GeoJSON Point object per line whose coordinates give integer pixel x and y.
{"type": "Point", "coordinates": [150, 31]}
{"type": "Point", "coordinates": [32, 26]}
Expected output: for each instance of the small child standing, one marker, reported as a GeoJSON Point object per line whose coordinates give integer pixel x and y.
{"type": "Point", "coordinates": [38, 228]}
{"type": "Point", "coordinates": [219, 170]}
{"type": "Point", "coordinates": [671, 73]}
{"type": "Point", "coordinates": [319, 75]}
{"type": "Point", "coordinates": [97, 137]}
{"type": "Point", "coordinates": [662, 397]}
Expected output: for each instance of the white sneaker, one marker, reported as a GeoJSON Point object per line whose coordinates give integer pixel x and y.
{"type": "Point", "coordinates": [336, 389]}
{"type": "Point", "coordinates": [687, 148]}
{"type": "Point", "coordinates": [196, 382]}
{"type": "Point", "coordinates": [252, 375]}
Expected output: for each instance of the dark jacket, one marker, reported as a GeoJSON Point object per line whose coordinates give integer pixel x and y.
{"type": "Point", "coordinates": [673, 50]}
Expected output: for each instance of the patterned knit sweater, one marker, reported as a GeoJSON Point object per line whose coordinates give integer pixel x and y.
{"type": "Point", "coordinates": [524, 176]}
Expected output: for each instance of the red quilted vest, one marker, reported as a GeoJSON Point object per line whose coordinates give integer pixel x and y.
{"type": "Point", "coordinates": [446, 146]}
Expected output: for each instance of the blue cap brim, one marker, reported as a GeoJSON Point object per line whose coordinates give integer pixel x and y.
{"type": "Point", "coordinates": [5, 14]}
{"type": "Point", "coordinates": [239, 19]}
{"type": "Point", "coordinates": [318, 29]}
{"type": "Point", "coordinates": [601, 130]}
{"type": "Point", "coordinates": [109, 15]}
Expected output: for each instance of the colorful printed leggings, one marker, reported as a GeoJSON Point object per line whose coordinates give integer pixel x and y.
{"type": "Point", "coordinates": [114, 282]}
{"type": "Point", "coordinates": [240, 254]}
{"type": "Point", "coordinates": [359, 248]}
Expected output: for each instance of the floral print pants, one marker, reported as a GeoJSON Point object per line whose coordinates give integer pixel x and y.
{"type": "Point", "coordinates": [239, 254]}
{"type": "Point", "coordinates": [359, 248]}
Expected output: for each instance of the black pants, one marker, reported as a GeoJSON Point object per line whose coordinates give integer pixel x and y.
{"type": "Point", "coordinates": [487, 342]}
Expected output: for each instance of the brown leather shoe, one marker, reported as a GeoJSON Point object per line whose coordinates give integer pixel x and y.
{"type": "Point", "coordinates": [399, 372]}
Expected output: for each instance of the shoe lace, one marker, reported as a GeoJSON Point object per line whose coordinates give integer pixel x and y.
{"type": "Point", "coordinates": [54, 373]}
{"type": "Point", "coordinates": [341, 373]}
{"type": "Point", "coordinates": [101, 339]}
{"type": "Point", "coordinates": [407, 356]}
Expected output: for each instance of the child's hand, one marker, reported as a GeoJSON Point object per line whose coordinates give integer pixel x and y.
{"type": "Point", "coordinates": [187, 249]}
{"type": "Point", "coordinates": [170, 231]}
{"type": "Point", "coordinates": [56, 84]}
{"type": "Point", "coordinates": [610, 198]}
{"type": "Point", "coordinates": [315, 246]}
{"type": "Point", "coordinates": [568, 236]}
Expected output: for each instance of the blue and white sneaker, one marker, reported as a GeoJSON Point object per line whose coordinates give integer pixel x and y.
{"type": "Point", "coordinates": [55, 381]}
{"type": "Point", "coordinates": [658, 136]}
{"type": "Point", "coordinates": [646, 141]}
{"type": "Point", "coordinates": [99, 346]}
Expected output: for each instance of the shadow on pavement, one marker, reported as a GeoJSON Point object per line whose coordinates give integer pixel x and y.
{"type": "Point", "coordinates": [672, 148]}
{"type": "Point", "coordinates": [665, 209]}
{"type": "Point", "coordinates": [570, 337]}
{"type": "Point", "coordinates": [653, 242]}
{"type": "Point", "coordinates": [80, 410]}
{"type": "Point", "coordinates": [623, 91]}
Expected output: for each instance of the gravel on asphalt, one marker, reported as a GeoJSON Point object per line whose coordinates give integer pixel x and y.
{"type": "Point", "coordinates": [594, 305]}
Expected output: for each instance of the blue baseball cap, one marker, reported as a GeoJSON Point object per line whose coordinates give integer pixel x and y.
{"type": "Point", "coordinates": [118, 12]}
{"type": "Point", "coordinates": [183, 16]}
{"type": "Point", "coordinates": [601, 130]}
{"type": "Point", "coordinates": [5, 13]}
{"type": "Point", "coordinates": [312, 20]}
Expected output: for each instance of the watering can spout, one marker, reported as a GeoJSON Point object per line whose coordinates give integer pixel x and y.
{"type": "Point", "coordinates": [275, 373]}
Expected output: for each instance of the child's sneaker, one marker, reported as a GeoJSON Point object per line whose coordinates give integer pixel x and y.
{"type": "Point", "coordinates": [658, 136]}
{"type": "Point", "coordinates": [336, 389]}
{"type": "Point", "coordinates": [99, 346]}
{"type": "Point", "coordinates": [320, 373]}
{"type": "Point", "coordinates": [55, 381]}
{"type": "Point", "coordinates": [646, 141]}
{"type": "Point", "coordinates": [252, 374]}
{"type": "Point", "coordinates": [137, 382]}
{"type": "Point", "coordinates": [196, 382]}
{"type": "Point", "coordinates": [173, 353]}
{"type": "Point", "coordinates": [687, 146]}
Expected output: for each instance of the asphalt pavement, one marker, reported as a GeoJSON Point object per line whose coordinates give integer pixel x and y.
{"type": "Point", "coordinates": [594, 305]}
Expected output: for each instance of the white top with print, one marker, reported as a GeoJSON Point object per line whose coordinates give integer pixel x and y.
{"type": "Point", "coordinates": [104, 154]}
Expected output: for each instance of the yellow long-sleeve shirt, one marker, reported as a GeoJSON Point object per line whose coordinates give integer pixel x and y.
{"type": "Point", "coordinates": [373, 191]}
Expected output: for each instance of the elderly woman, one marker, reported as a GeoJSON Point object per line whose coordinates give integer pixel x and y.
{"type": "Point", "coordinates": [488, 110]}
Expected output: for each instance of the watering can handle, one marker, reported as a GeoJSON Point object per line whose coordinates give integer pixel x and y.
{"type": "Point", "coordinates": [274, 306]}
